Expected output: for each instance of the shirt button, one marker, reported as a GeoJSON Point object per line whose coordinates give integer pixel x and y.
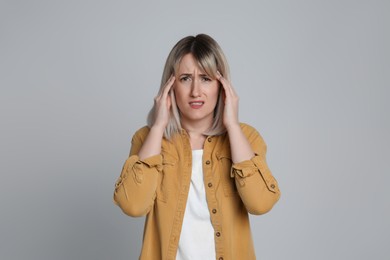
{"type": "Point", "coordinates": [221, 258]}
{"type": "Point", "coordinates": [273, 186]}
{"type": "Point", "coordinates": [209, 139]}
{"type": "Point", "coordinates": [207, 162]}
{"type": "Point", "coordinates": [210, 184]}
{"type": "Point", "coordinates": [214, 211]}
{"type": "Point", "coordinates": [218, 234]}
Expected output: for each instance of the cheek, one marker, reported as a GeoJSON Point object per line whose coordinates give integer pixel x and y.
{"type": "Point", "coordinates": [214, 93]}
{"type": "Point", "coordinates": [180, 89]}
{"type": "Point", "coordinates": [179, 97]}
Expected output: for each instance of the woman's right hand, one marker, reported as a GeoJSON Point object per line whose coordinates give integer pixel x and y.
{"type": "Point", "coordinates": [152, 143]}
{"type": "Point", "coordinates": [162, 105]}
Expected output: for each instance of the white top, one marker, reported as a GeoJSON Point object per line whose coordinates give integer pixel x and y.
{"type": "Point", "coordinates": [197, 234]}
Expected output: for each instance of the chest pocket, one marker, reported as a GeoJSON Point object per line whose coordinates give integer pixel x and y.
{"type": "Point", "coordinates": [166, 177]}
{"type": "Point", "coordinates": [225, 167]}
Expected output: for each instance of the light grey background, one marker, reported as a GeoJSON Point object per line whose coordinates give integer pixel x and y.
{"type": "Point", "coordinates": [78, 78]}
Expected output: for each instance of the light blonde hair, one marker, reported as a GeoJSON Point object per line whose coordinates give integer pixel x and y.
{"type": "Point", "coordinates": [209, 55]}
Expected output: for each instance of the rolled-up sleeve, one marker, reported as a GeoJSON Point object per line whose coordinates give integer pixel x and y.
{"type": "Point", "coordinates": [135, 189]}
{"type": "Point", "coordinates": [255, 183]}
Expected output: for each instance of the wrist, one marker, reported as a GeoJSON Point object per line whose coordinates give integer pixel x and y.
{"type": "Point", "coordinates": [233, 127]}
{"type": "Point", "coordinates": [157, 129]}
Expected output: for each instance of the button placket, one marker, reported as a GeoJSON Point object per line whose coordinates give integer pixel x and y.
{"type": "Point", "coordinates": [210, 183]}
{"type": "Point", "coordinates": [178, 219]}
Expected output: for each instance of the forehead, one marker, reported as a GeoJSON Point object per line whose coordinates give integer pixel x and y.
{"type": "Point", "coordinates": [189, 64]}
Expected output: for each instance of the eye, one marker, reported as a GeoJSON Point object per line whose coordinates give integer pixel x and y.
{"type": "Point", "coordinates": [204, 78]}
{"type": "Point", "coordinates": [185, 78]}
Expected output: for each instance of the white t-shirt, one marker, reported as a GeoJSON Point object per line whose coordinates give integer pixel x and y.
{"type": "Point", "coordinates": [197, 234]}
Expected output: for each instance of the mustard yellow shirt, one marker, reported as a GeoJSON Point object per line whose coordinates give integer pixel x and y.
{"type": "Point", "coordinates": [158, 187]}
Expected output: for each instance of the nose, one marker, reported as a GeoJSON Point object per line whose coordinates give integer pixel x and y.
{"type": "Point", "coordinates": [195, 88]}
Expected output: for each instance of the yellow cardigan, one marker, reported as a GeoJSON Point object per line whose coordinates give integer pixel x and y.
{"type": "Point", "coordinates": [158, 187]}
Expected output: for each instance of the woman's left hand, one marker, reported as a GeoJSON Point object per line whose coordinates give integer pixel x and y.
{"type": "Point", "coordinates": [230, 113]}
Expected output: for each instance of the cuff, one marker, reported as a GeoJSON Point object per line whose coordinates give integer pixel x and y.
{"type": "Point", "coordinates": [153, 161]}
{"type": "Point", "coordinates": [243, 169]}
{"type": "Point", "coordinates": [253, 166]}
{"type": "Point", "coordinates": [137, 165]}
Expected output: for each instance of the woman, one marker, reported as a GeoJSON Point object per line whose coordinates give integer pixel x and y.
{"type": "Point", "coordinates": [195, 171]}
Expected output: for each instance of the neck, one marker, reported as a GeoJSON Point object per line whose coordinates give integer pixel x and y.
{"type": "Point", "coordinates": [196, 140]}
{"type": "Point", "coordinates": [196, 131]}
{"type": "Point", "coordinates": [196, 128]}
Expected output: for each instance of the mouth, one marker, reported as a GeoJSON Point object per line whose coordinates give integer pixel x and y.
{"type": "Point", "coordinates": [196, 104]}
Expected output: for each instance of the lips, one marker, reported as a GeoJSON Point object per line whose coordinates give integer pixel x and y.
{"type": "Point", "coordinates": [196, 104]}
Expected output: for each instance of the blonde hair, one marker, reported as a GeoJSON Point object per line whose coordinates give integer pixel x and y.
{"type": "Point", "coordinates": [211, 59]}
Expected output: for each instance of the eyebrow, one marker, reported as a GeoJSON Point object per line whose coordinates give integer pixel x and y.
{"type": "Point", "coordinates": [190, 74]}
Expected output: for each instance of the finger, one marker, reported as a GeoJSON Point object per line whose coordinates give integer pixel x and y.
{"type": "Point", "coordinates": [221, 79]}
{"type": "Point", "coordinates": [168, 85]}
{"type": "Point", "coordinates": [219, 75]}
{"type": "Point", "coordinates": [226, 84]}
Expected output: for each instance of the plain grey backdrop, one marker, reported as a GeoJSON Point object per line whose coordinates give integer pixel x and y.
{"type": "Point", "coordinates": [78, 78]}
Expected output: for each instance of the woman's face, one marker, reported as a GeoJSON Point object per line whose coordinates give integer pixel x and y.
{"type": "Point", "coordinates": [196, 93]}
